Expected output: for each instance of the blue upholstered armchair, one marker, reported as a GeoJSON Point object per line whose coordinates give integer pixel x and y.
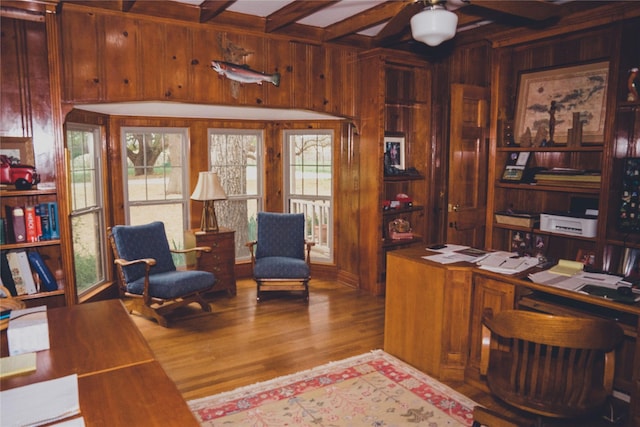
{"type": "Point", "coordinates": [281, 257]}
{"type": "Point", "coordinates": [147, 273]}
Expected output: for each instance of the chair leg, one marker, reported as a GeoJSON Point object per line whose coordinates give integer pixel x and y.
{"type": "Point", "coordinates": [204, 304]}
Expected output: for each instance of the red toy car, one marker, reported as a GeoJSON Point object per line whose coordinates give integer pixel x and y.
{"type": "Point", "coordinates": [22, 176]}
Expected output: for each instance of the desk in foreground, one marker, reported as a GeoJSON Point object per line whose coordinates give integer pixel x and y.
{"type": "Point", "coordinates": [433, 317]}
{"type": "Point", "coordinates": [119, 381]}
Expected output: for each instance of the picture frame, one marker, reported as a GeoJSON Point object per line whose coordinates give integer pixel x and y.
{"type": "Point", "coordinates": [579, 88]}
{"type": "Point", "coordinates": [394, 150]}
{"type": "Point", "coordinates": [18, 149]}
{"type": "Point", "coordinates": [514, 170]}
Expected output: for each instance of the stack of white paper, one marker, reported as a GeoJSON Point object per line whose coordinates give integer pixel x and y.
{"type": "Point", "coordinates": [40, 403]}
{"type": "Point", "coordinates": [28, 330]}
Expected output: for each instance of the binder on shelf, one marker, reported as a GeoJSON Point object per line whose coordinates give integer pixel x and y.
{"type": "Point", "coordinates": [18, 224]}
{"type": "Point", "coordinates": [26, 273]}
{"type": "Point", "coordinates": [5, 273]}
{"type": "Point", "coordinates": [14, 269]}
{"type": "Point", "coordinates": [30, 224]}
{"type": "Point", "coordinates": [53, 220]}
{"type": "Point", "coordinates": [47, 278]}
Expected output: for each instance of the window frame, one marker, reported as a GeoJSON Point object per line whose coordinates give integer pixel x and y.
{"type": "Point", "coordinates": [98, 209]}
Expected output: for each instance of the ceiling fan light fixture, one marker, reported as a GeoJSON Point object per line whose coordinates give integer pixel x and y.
{"type": "Point", "coordinates": [434, 25]}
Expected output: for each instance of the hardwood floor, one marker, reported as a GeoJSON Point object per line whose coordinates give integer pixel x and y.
{"type": "Point", "coordinates": [243, 342]}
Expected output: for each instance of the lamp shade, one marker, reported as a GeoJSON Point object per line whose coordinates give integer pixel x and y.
{"type": "Point", "coordinates": [434, 25]}
{"type": "Point", "coordinates": [208, 187]}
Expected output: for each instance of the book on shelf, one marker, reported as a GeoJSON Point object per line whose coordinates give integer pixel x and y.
{"type": "Point", "coordinates": [54, 223]}
{"type": "Point", "coordinates": [47, 279]}
{"type": "Point", "coordinates": [18, 224]}
{"type": "Point", "coordinates": [31, 228]}
{"type": "Point", "coordinates": [5, 273]}
{"type": "Point", "coordinates": [16, 273]}
{"type": "Point", "coordinates": [3, 232]}
{"type": "Point", "coordinates": [26, 273]}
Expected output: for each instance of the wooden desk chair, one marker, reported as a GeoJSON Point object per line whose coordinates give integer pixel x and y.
{"type": "Point", "coordinates": [550, 366]}
{"type": "Point", "coordinates": [148, 274]}
{"type": "Point", "coordinates": [281, 259]}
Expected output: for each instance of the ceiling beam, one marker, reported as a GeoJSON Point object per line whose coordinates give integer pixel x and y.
{"type": "Point", "coordinates": [399, 21]}
{"type": "Point", "coordinates": [293, 12]}
{"type": "Point", "coordinates": [530, 9]}
{"type": "Point", "coordinates": [209, 9]}
{"type": "Point", "coordinates": [365, 19]}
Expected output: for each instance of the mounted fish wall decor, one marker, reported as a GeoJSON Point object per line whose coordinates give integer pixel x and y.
{"type": "Point", "coordinates": [244, 74]}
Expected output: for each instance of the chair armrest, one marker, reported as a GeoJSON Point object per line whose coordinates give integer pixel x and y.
{"type": "Point", "coordinates": [198, 250]}
{"type": "Point", "coordinates": [251, 245]}
{"type": "Point", "coordinates": [125, 263]}
{"type": "Point", "coordinates": [308, 246]}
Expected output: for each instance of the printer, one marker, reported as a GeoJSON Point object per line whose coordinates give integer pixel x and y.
{"type": "Point", "coordinates": [569, 223]}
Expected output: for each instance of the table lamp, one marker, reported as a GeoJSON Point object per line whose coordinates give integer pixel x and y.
{"type": "Point", "coordinates": [208, 189]}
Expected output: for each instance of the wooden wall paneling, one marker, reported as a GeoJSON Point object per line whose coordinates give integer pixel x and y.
{"type": "Point", "coordinates": [316, 61]}
{"type": "Point", "coordinates": [253, 95]}
{"type": "Point", "coordinates": [176, 64]}
{"type": "Point", "coordinates": [277, 56]}
{"type": "Point", "coordinates": [152, 63]}
{"type": "Point", "coordinates": [370, 157]}
{"type": "Point", "coordinates": [121, 58]}
{"type": "Point", "coordinates": [339, 83]}
{"type": "Point", "coordinates": [205, 48]}
{"type": "Point", "coordinates": [301, 74]}
{"type": "Point", "coordinates": [14, 79]}
{"type": "Point", "coordinates": [82, 80]}
{"type": "Point", "coordinates": [273, 201]}
{"type": "Point", "coordinates": [346, 191]}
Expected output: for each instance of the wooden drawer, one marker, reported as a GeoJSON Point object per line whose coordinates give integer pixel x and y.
{"type": "Point", "coordinates": [221, 260]}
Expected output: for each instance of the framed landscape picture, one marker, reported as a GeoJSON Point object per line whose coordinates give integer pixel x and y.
{"type": "Point", "coordinates": [576, 89]}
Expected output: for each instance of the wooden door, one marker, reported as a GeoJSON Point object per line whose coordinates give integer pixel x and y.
{"type": "Point", "coordinates": [468, 151]}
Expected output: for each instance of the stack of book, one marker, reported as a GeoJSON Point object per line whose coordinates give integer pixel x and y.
{"type": "Point", "coordinates": [569, 177]}
{"type": "Point", "coordinates": [28, 224]}
{"type": "Point", "coordinates": [25, 273]}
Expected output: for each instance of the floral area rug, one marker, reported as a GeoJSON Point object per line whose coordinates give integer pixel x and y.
{"type": "Point", "coordinates": [373, 389]}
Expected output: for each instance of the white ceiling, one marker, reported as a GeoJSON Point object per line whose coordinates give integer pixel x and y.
{"type": "Point", "coordinates": [200, 111]}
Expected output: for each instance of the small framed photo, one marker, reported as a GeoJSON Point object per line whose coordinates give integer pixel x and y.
{"type": "Point", "coordinates": [394, 153]}
{"type": "Point", "coordinates": [586, 257]}
{"type": "Point", "coordinates": [19, 150]}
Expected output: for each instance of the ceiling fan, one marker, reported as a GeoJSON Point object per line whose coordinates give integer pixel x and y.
{"type": "Point", "coordinates": [433, 21]}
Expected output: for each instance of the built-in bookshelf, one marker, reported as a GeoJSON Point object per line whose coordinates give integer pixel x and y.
{"type": "Point", "coordinates": [38, 278]}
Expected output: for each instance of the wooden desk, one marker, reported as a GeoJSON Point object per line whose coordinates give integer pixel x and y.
{"type": "Point", "coordinates": [117, 373]}
{"type": "Point", "coordinates": [433, 316]}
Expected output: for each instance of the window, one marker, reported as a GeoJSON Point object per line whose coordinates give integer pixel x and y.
{"type": "Point", "coordinates": [309, 185]}
{"type": "Point", "coordinates": [155, 180]}
{"type": "Point", "coordinates": [87, 206]}
{"type": "Point", "coordinates": [235, 155]}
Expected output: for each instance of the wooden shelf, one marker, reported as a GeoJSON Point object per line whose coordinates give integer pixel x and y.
{"type": "Point", "coordinates": [553, 149]}
{"type": "Point", "coordinates": [26, 193]}
{"type": "Point", "coordinates": [399, 178]}
{"type": "Point", "coordinates": [557, 188]}
{"type": "Point", "coordinates": [401, 211]}
{"type": "Point", "coordinates": [40, 295]}
{"type": "Point", "coordinates": [393, 243]}
{"type": "Point", "coordinates": [27, 245]}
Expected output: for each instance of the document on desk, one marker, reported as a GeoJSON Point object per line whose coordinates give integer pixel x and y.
{"type": "Point", "coordinates": [578, 280]}
{"type": "Point", "coordinates": [40, 403]}
{"type": "Point", "coordinates": [506, 262]}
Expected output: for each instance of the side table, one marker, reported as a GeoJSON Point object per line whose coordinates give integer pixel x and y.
{"type": "Point", "coordinates": [222, 258]}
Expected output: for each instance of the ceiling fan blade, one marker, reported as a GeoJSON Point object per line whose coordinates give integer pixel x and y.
{"type": "Point", "coordinates": [400, 21]}
{"type": "Point", "coordinates": [530, 9]}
